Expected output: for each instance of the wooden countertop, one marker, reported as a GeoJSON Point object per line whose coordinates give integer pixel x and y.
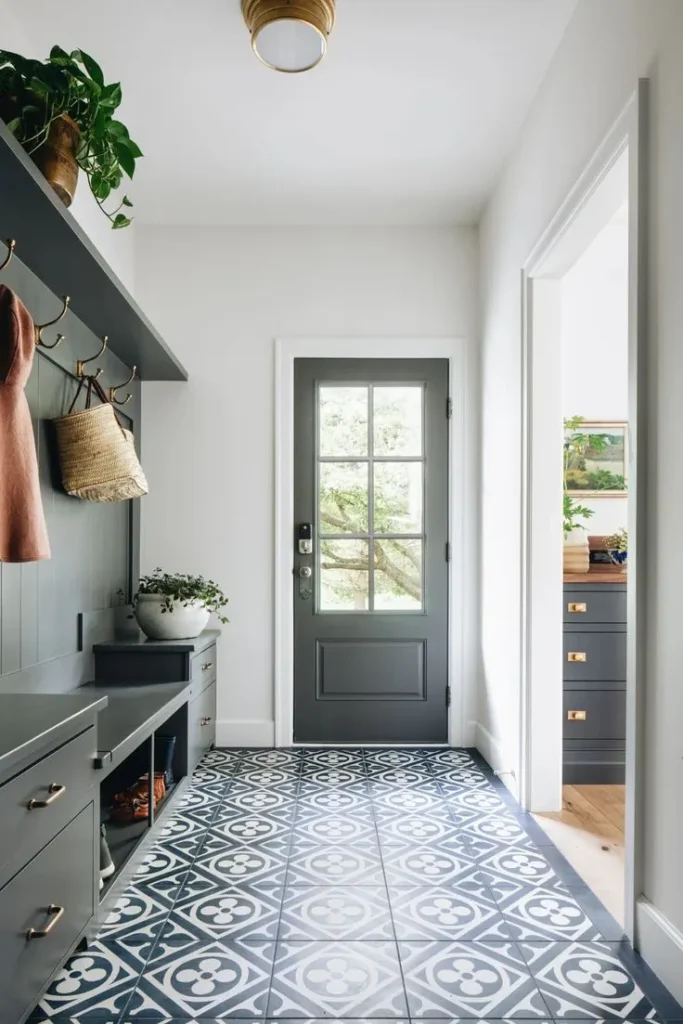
{"type": "Point", "coordinates": [598, 574]}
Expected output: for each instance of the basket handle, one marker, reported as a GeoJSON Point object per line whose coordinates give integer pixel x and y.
{"type": "Point", "coordinates": [94, 385]}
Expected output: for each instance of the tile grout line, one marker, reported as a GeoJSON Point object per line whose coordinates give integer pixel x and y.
{"type": "Point", "coordinates": [391, 909]}
{"type": "Point", "coordinates": [285, 881]}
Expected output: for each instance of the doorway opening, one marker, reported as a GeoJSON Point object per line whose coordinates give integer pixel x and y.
{"type": "Point", "coordinates": [583, 323]}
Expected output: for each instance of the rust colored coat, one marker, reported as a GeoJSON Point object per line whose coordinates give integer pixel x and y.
{"type": "Point", "coordinates": [23, 536]}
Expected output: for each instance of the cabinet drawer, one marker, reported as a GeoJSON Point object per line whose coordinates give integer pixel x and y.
{"type": "Point", "coordinates": [203, 669]}
{"type": "Point", "coordinates": [594, 656]}
{"type": "Point", "coordinates": [61, 876]}
{"type": "Point", "coordinates": [591, 605]}
{"type": "Point", "coordinates": [604, 714]}
{"type": "Point", "coordinates": [201, 724]}
{"type": "Point", "coordinates": [62, 781]}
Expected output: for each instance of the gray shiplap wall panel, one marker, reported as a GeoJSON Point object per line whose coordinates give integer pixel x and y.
{"type": "Point", "coordinates": [40, 603]}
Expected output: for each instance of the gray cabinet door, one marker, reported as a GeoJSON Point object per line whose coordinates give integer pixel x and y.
{"type": "Point", "coordinates": [371, 586]}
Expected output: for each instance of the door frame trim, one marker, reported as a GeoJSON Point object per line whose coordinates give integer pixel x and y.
{"type": "Point", "coordinates": [626, 138]}
{"type": "Point", "coordinates": [463, 612]}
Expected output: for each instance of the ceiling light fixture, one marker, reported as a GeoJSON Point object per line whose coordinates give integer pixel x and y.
{"type": "Point", "coordinates": [289, 35]}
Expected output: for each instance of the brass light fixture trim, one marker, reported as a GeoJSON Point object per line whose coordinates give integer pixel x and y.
{"type": "Point", "coordinates": [316, 14]}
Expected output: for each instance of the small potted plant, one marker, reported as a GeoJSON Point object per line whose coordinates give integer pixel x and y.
{"type": "Point", "coordinates": [62, 112]}
{"type": "Point", "coordinates": [576, 554]}
{"type": "Point", "coordinates": [176, 606]}
{"type": "Point", "coordinates": [617, 546]}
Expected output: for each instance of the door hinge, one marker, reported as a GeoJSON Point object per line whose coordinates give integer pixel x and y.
{"type": "Point", "coordinates": [448, 696]}
{"type": "Point", "coordinates": [448, 551]}
{"type": "Point", "coordinates": [449, 408]}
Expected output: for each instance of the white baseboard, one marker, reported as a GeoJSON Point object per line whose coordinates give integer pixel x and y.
{"type": "Point", "coordinates": [247, 732]}
{"type": "Point", "coordinates": [660, 944]}
{"type": "Point", "coordinates": [489, 748]}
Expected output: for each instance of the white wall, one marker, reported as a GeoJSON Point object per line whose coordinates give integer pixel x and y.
{"type": "Point", "coordinates": [595, 347]}
{"type": "Point", "coordinates": [606, 47]}
{"type": "Point", "coordinates": [220, 297]}
{"type": "Point", "coordinates": [117, 247]}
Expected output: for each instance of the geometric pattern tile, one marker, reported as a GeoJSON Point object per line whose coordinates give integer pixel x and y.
{"type": "Point", "coordinates": [468, 979]}
{"type": "Point", "coordinates": [359, 886]}
{"type": "Point", "coordinates": [336, 912]}
{"type": "Point", "coordinates": [337, 979]}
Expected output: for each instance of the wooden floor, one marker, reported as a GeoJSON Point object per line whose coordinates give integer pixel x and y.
{"type": "Point", "coordinates": [589, 831]}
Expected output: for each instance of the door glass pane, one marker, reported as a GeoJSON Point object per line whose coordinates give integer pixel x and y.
{"type": "Point", "coordinates": [398, 497]}
{"type": "Point", "coordinates": [343, 418]}
{"type": "Point", "coordinates": [344, 575]}
{"type": "Point", "coordinates": [397, 424]}
{"type": "Point", "coordinates": [343, 497]}
{"type": "Point", "coordinates": [398, 575]}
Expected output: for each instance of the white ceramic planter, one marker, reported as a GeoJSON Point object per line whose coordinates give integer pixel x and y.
{"type": "Point", "coordinates": [576, 555]}
{"type": "Point", "coordinates": [183, 623]}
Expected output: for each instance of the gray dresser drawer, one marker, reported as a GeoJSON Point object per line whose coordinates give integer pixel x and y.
{"type": "Point", "coordinates": [201, 724]}
{"type": "Point", "coordinates": [591, 605]}
{"type": "Point", "coordinates": [203, 669]}
{"type": "Point", "coordinates": [37, 803]}
{"type": "Point", "coordinates": [594, 715]}
{"type": "Point", "coordinates": [594, 656]}
{"type": "Point", "coordinates": [61, 876]}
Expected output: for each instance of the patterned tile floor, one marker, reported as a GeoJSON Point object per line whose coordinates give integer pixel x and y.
{"type": "Point", "coordinates": [333, 883]}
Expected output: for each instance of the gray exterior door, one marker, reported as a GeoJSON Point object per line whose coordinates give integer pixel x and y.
{"type": "Point", "coordinates": [371, 584]}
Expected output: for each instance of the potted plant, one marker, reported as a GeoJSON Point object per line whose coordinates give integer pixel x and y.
{"type": "Point", "coordinates": [62, 112]}
{"type": "Point", "coordinates": [617, 546]}
{"type": "Point", "coordinates": [576, 554]}
{"type": "Point", "coordinates": [176, 606]}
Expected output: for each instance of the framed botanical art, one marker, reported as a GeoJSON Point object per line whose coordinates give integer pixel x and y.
{"type": "Point", "coordinates": [595, 458]}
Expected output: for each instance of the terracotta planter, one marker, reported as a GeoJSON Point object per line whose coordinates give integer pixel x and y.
{"type": "Point", "coordinates": [56, 158]}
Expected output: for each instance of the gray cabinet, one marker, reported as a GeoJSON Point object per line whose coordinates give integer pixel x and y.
{"type": "Point", "coordinates": [141, 661]}
{"type": "Point", "coordinates": [594, 682]}
{"type": "Point", "coordinates": [49, 808]}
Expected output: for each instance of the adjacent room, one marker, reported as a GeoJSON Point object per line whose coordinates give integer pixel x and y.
{"type": "Point", "coordinates": [339, 641]}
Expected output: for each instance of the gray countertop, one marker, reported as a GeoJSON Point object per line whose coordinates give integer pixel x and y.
{"type": "Point", "coordinates": [142, 644]}
{"type": "Point", "coordinates": [30, 721]}
{"type": "Point", "coordinates": [135, 710]}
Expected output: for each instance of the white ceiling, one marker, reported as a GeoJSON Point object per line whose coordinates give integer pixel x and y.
{"type": "Point", "coordinates": [408, 120]}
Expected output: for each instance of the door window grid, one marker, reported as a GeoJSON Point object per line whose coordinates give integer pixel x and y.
{"type": "Point", "coordinates": [366, 540]}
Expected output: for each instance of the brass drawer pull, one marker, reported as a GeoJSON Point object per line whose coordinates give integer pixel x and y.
{"type": "Point", "coordinates": [577, 607]}
{"type": "Point", "coordinates": [205, 720]}
{"type": "Point", "coordinates": [207, 664]}
{"type": "Point", "coordinates": [577, 716]}
{"type": "Point", "coordinates": [55, 789]}
{"type": "Point", "coordinates": [576, 656]}
{"type": "Point", "coordinates": [55, 913]}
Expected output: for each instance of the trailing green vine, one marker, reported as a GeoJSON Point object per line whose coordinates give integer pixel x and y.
{"type": "Point", "coordinates": [34, 93]}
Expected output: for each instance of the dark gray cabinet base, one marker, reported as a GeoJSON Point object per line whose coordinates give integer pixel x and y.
{"type": "Point", "coordinates": [594, 683]}
{"type": "Point", "coordinates": [52, 892]}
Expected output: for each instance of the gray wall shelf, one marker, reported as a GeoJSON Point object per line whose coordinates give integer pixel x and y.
{"type": "Point", "coordinates": [51, 243]}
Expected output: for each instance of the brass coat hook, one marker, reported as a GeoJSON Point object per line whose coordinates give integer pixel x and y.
{"type": "Point", "coordinates": [11, 246]}
{"type": "Point", "coordinates": [112, 391]}
{"type": "Point", "coordinates": [80, 363]}
{"type": "Point", "coordinates": [39, 328]}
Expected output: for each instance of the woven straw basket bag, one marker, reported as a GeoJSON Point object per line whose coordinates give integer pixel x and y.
{"type": "Point", "coordinates": [97, 455]}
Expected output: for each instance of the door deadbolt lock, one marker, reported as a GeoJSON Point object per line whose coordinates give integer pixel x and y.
{"type": "Point", "coordinates": [305, 538]}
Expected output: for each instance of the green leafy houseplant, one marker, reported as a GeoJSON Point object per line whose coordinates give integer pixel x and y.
{"type": "Point", "coordinates": [574, 514]}
{"type": "Point", "coordinates": [186, 589]}
{"type": "Point", "coordinates": [34, 94]}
